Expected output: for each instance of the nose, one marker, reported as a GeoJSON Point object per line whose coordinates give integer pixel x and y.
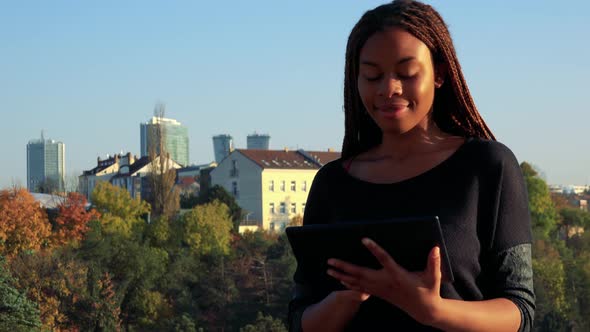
{"type": "Point", "coordinates": [390, 86]}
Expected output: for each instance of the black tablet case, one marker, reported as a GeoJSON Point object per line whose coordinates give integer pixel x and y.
{"type": "Point", "coordinates": [407, 240]}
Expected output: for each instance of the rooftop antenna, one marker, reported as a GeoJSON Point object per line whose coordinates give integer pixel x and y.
{"type": "Point", "coordinates": [42, 135]}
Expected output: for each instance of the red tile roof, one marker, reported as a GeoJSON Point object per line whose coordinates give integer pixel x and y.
{"type": "Point", "coordinates": [283, 159]}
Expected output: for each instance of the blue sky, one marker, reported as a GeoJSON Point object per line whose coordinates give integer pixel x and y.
{"type": "Point", "coordinates": [88, 73]}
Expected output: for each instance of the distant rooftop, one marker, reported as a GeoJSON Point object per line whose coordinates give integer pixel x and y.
{"type": "Point", "coordinates": [286, 159]}
{"type": "Point", "coordinates": [156, 120]}
{"type": "Point", "coordinates": [48, 201]}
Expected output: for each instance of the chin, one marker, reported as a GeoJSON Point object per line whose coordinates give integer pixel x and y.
{"type": "Point", "coordinates": [396, 130]}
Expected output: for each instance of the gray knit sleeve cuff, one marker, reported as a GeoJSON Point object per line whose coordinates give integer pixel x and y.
{"type": "Point", "coordinates": [514, 281]}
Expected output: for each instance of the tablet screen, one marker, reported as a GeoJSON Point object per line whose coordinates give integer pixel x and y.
{"type": "Point", "coordinates": [407, 240]}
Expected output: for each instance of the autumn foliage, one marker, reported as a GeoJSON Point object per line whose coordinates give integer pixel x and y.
{"type": "Point", "coordinates": [23, 224]}
{"type": "Point", "coordinates": [72, 223]}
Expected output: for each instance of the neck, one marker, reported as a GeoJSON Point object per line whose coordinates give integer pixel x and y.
{"type": "Point", "coordinates": [422, 138]}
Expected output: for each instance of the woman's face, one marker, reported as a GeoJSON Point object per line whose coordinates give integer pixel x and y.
{"type": "Point", "coordinates": [396, 81]}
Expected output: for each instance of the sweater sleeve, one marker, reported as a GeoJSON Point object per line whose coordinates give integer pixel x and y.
{"type": "Point", "coordinates": [316, 211]}
{"type": "Point", "coordinates": [508, 255]}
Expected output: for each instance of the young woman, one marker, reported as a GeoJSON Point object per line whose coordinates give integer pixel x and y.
{"type": "Point", "coordinates": [415, 145]}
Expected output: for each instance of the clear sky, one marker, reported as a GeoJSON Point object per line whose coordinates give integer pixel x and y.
{"type": "Point", "coordinates": [88, 72]}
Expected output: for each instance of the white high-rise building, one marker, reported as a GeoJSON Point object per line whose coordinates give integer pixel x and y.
{"type": "Point", "coordinates": [46, 166]}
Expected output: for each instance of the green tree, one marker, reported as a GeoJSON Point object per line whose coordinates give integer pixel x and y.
{"type": "Point", "coordinates": [543, 214]}
{"type": "Point", "coordinates": [120, 212]}
{"type": "Point", "coordinates": [17, 312]}
{"type": "Point", "coordinates": [106, 307]}
{"type": "Point", "coordinates": [572, 218]}
{"type": "Point", "coordinates": [265, 324]}
{"type": "Point", "coordinates": [550, 285]}
{"type": "Point", "coordinates": [207, 228]}
{"type": "Point", "coordinates": [218, 193]}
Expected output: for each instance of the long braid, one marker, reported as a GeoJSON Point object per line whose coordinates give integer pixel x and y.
{"type": "Point", "coordinates": [454, 110]}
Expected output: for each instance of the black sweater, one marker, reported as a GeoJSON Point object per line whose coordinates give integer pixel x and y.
{"type": "Point", "coordinates": [481, 200]}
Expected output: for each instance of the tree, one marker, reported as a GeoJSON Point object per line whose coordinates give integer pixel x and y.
{"type": "Point", "coordinates": [550, 285]}
{"type": "Point", "coordinates": [23, 224]}
{"type": "Point", "coordinates": [265, 323]}
{"type": "Point", "coordinates": [574, 217]}
{"type": "Point", "coordinates": [207, 228]}
{"type": "Point", "coordinates": [543, 214]}
{"type": "Point", "coordinates": [72, 222]}
{"type": "Point", "coordinates": [120, 212]}
{"type": "Point", "coordinates": [297, 220]}
{"type": "Point", "coordinates": [56, 282]}
{"type": "Point", "coordinates": [49, 186]}
{"type": "Point", "coordinates": [165, 196]}
{"type": "Point", "coordinates": [107, 308]}
{"type": "Point", "coordinates": [253, 275]}
{"type": "Point", "coordinates": [218, 193]}
{"type": "Point", "coordinates": [17, 312]}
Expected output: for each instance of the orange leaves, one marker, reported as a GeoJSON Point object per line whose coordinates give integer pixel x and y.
{"type": "Point", "coordinates": [72, 223]}
{"type": "Point", "coordinates": [23, 224]}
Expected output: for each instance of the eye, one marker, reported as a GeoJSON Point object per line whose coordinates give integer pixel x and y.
{"type": "Point", "coordinates": [373, 78]}
{"type": "Point", "coordinates": [407, 75]}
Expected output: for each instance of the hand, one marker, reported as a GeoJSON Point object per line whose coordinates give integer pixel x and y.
{"type": "Point", "coordinates": [352, 295]}
{"type": "Point", "coordinates": [417, 293]}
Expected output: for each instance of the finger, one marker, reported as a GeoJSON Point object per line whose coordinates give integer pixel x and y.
{"type": "Point", "coordinates": [342, 277]}
{"type": "Point", "coordinates": [350, 286]}
{"type": "Point", "coordinates": [354, 270]}
{"type": "Point", "coordinates": [382, 256]}
{"type": "Point", "coordinates": [433, 267]}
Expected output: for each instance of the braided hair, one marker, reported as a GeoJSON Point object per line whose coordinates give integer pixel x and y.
{"type": "Point", "coordinates": [454, 111]}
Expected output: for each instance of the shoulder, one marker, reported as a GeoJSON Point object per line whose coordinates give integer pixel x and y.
{"type": "Point", "coordinates": [330, 169]}
{"type": "Point", "coordinates": [490, 153]}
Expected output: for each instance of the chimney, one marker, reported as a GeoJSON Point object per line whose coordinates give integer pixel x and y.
{"type": "Point", "coordinates": [130, 159]}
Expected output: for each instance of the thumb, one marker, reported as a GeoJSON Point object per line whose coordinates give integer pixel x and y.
{"type": "Point", "coordinates": [433, 268]}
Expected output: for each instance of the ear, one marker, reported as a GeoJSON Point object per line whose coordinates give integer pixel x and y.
{"type": "Point", "coordinates": [440, 73]}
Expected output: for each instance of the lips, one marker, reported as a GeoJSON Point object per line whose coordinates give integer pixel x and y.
{"type": "Point", "coordinates": [392, 110]}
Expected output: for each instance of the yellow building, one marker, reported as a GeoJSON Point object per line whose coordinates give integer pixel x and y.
{"type": "Point", "coordinates": [271, 186]}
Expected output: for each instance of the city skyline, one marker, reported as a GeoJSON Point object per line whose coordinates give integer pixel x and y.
{"type": "Point", "coordinates": [88, 74]}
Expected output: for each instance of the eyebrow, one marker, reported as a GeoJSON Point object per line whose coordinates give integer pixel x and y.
{"type": "Point", "coordinates": [403, 60]}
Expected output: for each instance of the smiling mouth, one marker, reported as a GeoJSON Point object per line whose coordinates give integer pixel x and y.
{"type": "Point", "coordinates": [393, 111]}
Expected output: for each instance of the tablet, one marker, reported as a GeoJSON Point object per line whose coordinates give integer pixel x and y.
{"type": "Point", "coordinates": [407, 240]}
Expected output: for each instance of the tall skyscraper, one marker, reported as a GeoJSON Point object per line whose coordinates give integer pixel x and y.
{"type": "Point", "coordinates": [175, 137]}
{"type": "Point", "coordinates": [46, 166]}
{"type": "Point", "coordinates": [258, 142]}
{"type": "Point", "coordinates": [223, 145]}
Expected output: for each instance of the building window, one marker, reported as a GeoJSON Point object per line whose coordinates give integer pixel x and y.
{"type": "Point", "coordinates": [304, 186]}
{"type": "Point", "coordinates": [302, 207]}
{"type": "Point", "coordinates": [293, 208]}
{"type": "Point", "coordinates": [233, 172]}
{"type": "Point", "coordinates": [283, 185]}
{"type": "Point", "coordinates": [293, 186]}
{"type": "Point", "coordinates": [271, 185]}
{"type": "Point", "coordinates": [283, 209]}
{"type": "Point", "coordinates": [272, 207]}
{"type": "Point", "coordinates": [234, 189]}
{"type": "Point", "coordinates": [272, 226]}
